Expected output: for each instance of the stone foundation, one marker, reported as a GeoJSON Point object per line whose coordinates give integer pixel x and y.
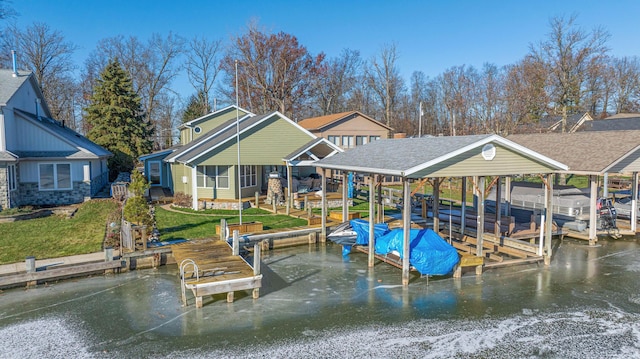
{"type": "Point", "coordinates": [221, 204]}
{"type": "Point", "coordinates": [4, 188]}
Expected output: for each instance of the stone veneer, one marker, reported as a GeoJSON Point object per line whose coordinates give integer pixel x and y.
{"type": "Point", "coordinates": [4, 188]}
{"type": "Point", "coordinates": [31, 195]}
{"type": "Point", "coordinates": [222, 204]}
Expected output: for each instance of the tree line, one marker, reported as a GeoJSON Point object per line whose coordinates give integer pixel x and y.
{"type": "Point", "coordinates": [570, 71]}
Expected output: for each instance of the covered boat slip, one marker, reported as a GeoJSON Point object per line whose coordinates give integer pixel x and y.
{"type": "Point", "coordinates": [474, 157]}
{"type": "Point", "coordinates": [594, 154]}
{"type": "Point", "coordinates": [211, 267]}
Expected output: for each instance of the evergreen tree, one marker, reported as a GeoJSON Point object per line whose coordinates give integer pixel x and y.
{"type": "Point", "coordinates": [115, 120]}
{"type": "Point", "coordinates": [198, 106]}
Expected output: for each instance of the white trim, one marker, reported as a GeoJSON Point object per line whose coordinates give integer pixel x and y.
{"type": "Point", "coordinates": [12, 178]}
{"type": "Point", "coordinates": [145, 157]}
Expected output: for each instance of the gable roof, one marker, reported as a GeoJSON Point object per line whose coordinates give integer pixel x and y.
{"type": "Point", "coordinates": [319, 123]}
{"type": "Point", "coordinates": [316, 145]}
{"type": "Point", "coordinates": [619, 122]}
{"type": "Point", "coordinates": [86, 149]}
{"type": "Point", "coordinates": [214, 114]}
{"type": "Point", "coordinates": [222, 134]}
{"type": "Point", "coordinates": [584, 152]}
{"type": "Point", "coordinates": [6, 156]}
{"type": "Point", "coordinates": [10, 84]}
{"type": "Point", "coordinates": [409, 156]}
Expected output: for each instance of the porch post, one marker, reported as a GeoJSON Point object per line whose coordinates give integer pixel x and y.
{"type": "Point", "coordinates": [480, 218]}
{"type": "Point", "coordinates": [406, 227]}
{"type": "Point", "coordinates": [507, 196]}
{"type": "Point", "coordinates": [436, 204]}
{"type": "Point", "coordinates": [379, 213]}
{"type": "Point", "coordinates": [549, 220]}
{"type": "Point", "coordinates": [194, 189]}
{"type": "Point", "coordinates": [289, 191]}
{"type": "Point", "coordinates": [634, 202]}
{"type": "Point", "coordinates": [593, 220]}
{"type": "Point", "coordinates": [372, 196]}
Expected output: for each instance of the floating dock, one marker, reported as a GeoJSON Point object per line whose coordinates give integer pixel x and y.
{"type": "Point", "coordinates": [209, 267]}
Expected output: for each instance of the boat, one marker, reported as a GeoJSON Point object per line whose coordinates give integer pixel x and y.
{"type": "Point", "coordinates": [343, 234]}
{"type": "Point", "coordinates": [356, 232]}
{"type": "Point", "coordinates": [429, 253]}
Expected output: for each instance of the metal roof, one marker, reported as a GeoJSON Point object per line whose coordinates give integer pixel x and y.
{"type": "Point", "coordinates": [408, 156]}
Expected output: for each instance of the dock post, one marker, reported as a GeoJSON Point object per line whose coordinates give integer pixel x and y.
{"type": "Point", "coordinates": [108, 254]}
{"type": "Point", "coordinates": [323, 233]}
{"type": "Point", "coordinates": [256, 267]}
{"type": "Point", "coordinates": [593, 219]}
{"type": "Point", "coordinates": [30, 264]}
{"type": "Point", "coordinates": [480, 218]}
{"type": "Point", "coordinates": [406, 226]}
{"type": "Point", "coordinates": [372, 196]}
{"type": "Point", "coordinates": [634, 202]}
{"type": "Point", "coordinates": [236, 242]}
{"type": "Point", "coordinates": [548, 230]}
{"type": "Point", "coordinates": [257, 199]}
{"type": "Point", "coordinates": [463, 208]}
{"type": "Point", "coordinates": [224, 230]}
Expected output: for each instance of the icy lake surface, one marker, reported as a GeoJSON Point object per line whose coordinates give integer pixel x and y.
{"type": "Point", "coordinates": [316, 304]}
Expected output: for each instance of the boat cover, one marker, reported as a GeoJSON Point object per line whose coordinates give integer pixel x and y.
{"type": "Point", "coordinates": [361, 227]}
{"type": "Point", "coordinates": [429, 254]}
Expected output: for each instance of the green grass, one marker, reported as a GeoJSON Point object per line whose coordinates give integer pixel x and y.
{"type": "Point", "coordinates": [222, 212]}
{"type": "Point", "coordinates": [56, 236]}
{"type": "Point", "coordinates": [174, 225]}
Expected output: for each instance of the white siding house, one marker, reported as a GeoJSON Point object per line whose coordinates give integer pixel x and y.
{"type": "Point", "coordinates": [42, 162]}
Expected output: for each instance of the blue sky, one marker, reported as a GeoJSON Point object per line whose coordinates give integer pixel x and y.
{"type": "Point", "coordinates": [431, 36]}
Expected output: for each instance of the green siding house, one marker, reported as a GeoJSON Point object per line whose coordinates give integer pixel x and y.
{"type": "Point", "coordinates": [205, 164]}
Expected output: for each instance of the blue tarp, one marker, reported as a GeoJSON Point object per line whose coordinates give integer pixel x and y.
{"type": "Point", "coordinates": [428, 253]}
{"type": "Point", "coordinates": [361, 227]}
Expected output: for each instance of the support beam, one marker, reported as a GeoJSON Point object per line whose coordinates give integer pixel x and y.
{"type": "Point", "coordinates": [406, 227]}
{"type": "Point", "coordinates": [480, 220]}
{"type": "Point", "coordinates": [634, 202]}
{"type": "Point", "coordinates": [498, 223]}
{"type": "Point", "coordinates": [372, 199]}
{"type": "Point", "coordinates": [436, 204]}
{"type": "Point", "coordinates": [507, 196]}
{"type": "Point", "coordinates": [549, 221]}
{"type": "Point", "coordinates": [323, 233]}
{"type": "Point", "coordinates": [380, 211]}
{"type": "Point", "coordinates": [463, 209]}
{"type": "Point", "coordinates": [345, 205]}
{"type": "Point", "coordinates": [593, 220]}
{"type": "Point", "coordinates": [289, 191]}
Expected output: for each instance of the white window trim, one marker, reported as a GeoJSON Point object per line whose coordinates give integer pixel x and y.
{"type": "Point", "coordinates": [12, 178]}
{"type": "Point", "coordinates": [55, 176]}
{"type": "Point", "coordinates": [216, 175]}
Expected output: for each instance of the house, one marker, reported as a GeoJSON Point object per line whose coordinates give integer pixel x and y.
{"type": "Point", "coordinates": [618, 122]}
{"type": "Point", "coordinates": [42, 162]}
{"type": "Point", "coordinates": [347, 129]}
{"type": "Point", "coordinates": [205, 164]}
{"type": "Point", "coordinates": [547, 124]}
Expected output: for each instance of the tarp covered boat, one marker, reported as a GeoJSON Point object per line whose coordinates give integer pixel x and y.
{"type": "Point", "coordinates": [356, 232]}
{"type": "Point", "coordinates": [429, 254]}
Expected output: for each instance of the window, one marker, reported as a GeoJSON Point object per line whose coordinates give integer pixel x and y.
{"type": "Point", "coordinates": [222, 177]}
{"type": "Point", "coordinates": [373, 138]}
{"type": "Point", "coordinates": [54, 176]}
{"type": "Point", "coordinates": [212, 176]}
{"type": "Point", "coordinates": [154, 172]}
{"type": "Point", "coordinates": [248, 177]}
{"type": "Point", "coordinates": [347, 141]}
{"type": "Point", "coordinates": [361, 140]}
{"type": "Point", "coordinates": [334, 139]}
{"type": "Point", "coordinates": [197, 129]}
{"type": "Point", "coordinates": [11, 173]}
{"type": "Point", "coordinates": [206, 176]}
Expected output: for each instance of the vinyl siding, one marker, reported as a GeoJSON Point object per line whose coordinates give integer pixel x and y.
{"type": "Point", "coordinates": [178, 170]}
{"type": "Point", "coordinates": [628, 165]}
{"type": "Point", "coordinates": [471, 163]}
{"type": "Point", "coordinates": [208, 124]}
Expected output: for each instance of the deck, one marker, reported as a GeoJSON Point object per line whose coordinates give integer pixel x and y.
{"type": "Point", "coordinates": [209, 267]}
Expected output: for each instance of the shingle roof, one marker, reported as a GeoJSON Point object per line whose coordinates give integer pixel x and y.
{"type": "Point", "coordinates": [317, 123]}
{"type": "Point", "coordinates": [214, 114]}
{"type": "Point", "coordinates": [613, 124]}
{"type": "Point", "coordinates": [7, 156]}
{"type": "Point", "coordinates": [589, 151]}
{"type": "Point", "coordinates": [9, 84]}
{"type": "Point", "coordinates": [402, 157]}
{"type": "Point", "coordinates": [86, 148]}
{"type": "Point", "coordinates": [313, 145]}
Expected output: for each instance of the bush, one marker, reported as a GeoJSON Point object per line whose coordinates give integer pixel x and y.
{"type": "Point", "coordinates": [182, 200]}
{"type": "Point", "coordinates": [136, 210]}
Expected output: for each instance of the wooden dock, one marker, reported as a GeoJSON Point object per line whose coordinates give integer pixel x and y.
{"type": "Point", "coordinates": [209, 267]}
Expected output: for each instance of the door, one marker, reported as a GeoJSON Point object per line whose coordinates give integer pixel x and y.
{"type": "Point", "coordinates": [155, 173]}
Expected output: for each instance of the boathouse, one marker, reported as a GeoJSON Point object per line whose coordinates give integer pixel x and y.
{"type": "Point", "coordinates": [416, 160]}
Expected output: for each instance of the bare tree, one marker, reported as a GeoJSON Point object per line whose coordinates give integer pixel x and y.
{"type": "Point", "coordinates": [202, 66]}
{"type": "Point", "coordinates": [384, 78]}
{"type": "Point", "coordinates": [334, 80]}
{"type": "Point", "coordinates": [274, 71]}
{"type": "Point", "coordinates": [525, 96]}
{"type": "Point", "coordinates": [626, 81]}
{"type": "Point", "coordinates": [45, 52]}
{"type": "Point", "coordinates": [568, 53]}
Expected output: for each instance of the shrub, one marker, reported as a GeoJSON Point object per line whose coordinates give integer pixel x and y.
{"type": "Point", "coordinates": [182, 200]}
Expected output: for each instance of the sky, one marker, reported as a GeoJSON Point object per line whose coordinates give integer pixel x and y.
{"type": "Point", "coordinates": [430, 36]}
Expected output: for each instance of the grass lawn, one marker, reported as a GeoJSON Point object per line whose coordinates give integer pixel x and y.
{"type": "Point", "coordinates": [55, 236]}
{"type": "Point", "coordinates": [175, 225]}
